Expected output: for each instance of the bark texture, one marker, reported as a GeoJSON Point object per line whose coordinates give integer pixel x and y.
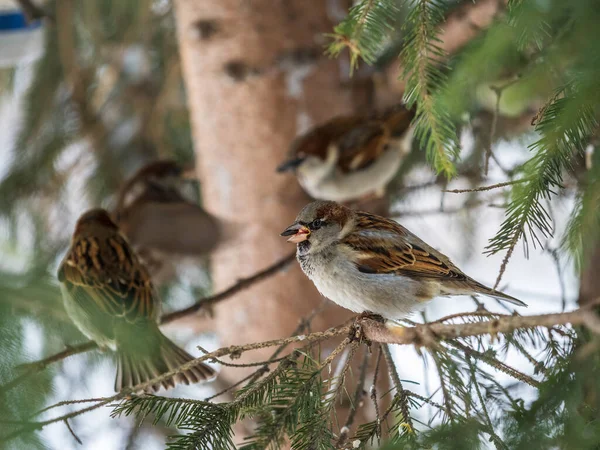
{"type": "Point", "coordinates": [256, 76]}
{"type": "Point", "coordinates": [589, 289]}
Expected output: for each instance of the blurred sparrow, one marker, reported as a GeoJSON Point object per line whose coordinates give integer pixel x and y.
{"type": "Point", "coordinates": [157, 209]}
{"type": "Point", "coordinates": [110, 297]}
{"type": "Point", "coordinates": [370, 264]}
{"type": "Point", "coordinates": [351, 156]}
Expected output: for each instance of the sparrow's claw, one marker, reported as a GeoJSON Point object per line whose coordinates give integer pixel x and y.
{"type": "Point", "coordinates": [370, 315]}
{"type": "Point", "coordinates": [356, 330]}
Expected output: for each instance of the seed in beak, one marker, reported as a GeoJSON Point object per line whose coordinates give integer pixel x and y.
{"type": "Point", "coordinates": [297, 233]}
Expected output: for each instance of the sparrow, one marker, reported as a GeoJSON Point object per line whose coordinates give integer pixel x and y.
{"type": "Point", "coordinates": [110, 297]}
{"type": "Point", "coordinates": [369, 264]}
{"type": "Point", "coordinates": [350, 157]}
{"type": "Point", "coordinates": [157, 210]}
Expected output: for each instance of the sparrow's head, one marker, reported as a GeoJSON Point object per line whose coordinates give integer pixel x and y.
{"type": "Point", "coordinates": [94, 220]}
{"type": "Point", "coordinates": [309, 148]}
{"type": "Point", "coordinates": [317, 226]}
{"type": "Point", "coordinates": [296, 157]}
{"type": "Point", "coordinates": [162, 180]}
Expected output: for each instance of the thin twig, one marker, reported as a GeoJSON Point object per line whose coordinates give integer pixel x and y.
{"type": "Point", "coordinates": [232, 350]}
{"type": "Point", "coordinates": [425, 400]}
{"type": "Point", "coordinates": [73, 433]}
{"type": "Point", "coordinates": [561, 279]}
{"type": "Point", "coordinates": [509, 253]}
{"type": "Point", "coordinates": [263, 370]}
{"type": "Point", "coordinates": [498, 90]}
{"type": "Point", "coordinates": [40, 365]}
{"type": "Point", "coordinates": [372, 330]}
{"type": "Point", "coordinates": [448, 403]}
{"type": "Point", "coordinates": [404, 408]}
{"type": "Point", "coordinates": [374, 392]}
{"type": "Point", "coordinates": [302, 326]}
{"type": "Point", "coordinates": [487, 188]}
{"type": "Point", "coordinates": [356, 400]}
{"type": "Point", "coordinates": [495, 363]}
{"type": "Point", "coordinates": [241, 285]}
{"type": "Point", "coordinates": [538, 365]}
{"type": "Point", "coordinates": [489, 427]}
{"type": "Point", "coordinates": [228, 364]}
{"type": "Point", "coordinates": [68, 402]}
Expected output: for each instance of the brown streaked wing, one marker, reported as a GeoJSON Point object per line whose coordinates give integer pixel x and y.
{"type": "Point", "coordinates": [385, 247]}
{"type": "Point", "coordinates": [113, 278]}
{"type": "Point", "coordinates": [360, 146]}
{"type": "Point", "coordinates": [317, 141]}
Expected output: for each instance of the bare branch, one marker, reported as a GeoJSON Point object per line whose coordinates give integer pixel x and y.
{"type": "Point", "coordinates": [241, 285]}
{"type": "Point", "coordinates": [421, 335]}
{"type": "Point", "coordinates": [498, 90]}
{"type": "Point", "coordinates": [486, 188]}
{"type": "Point", "coordinates": [40, 365]}
{"type": "Point", "coordinates": [509, 253]}
{"type": "Point", "coordinates": [356, 401]}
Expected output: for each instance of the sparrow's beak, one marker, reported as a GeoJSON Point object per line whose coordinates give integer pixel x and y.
{"type": "Point", "coordinates": [298, 233]}
{"type": "Point", "coordinates": [291, 164]}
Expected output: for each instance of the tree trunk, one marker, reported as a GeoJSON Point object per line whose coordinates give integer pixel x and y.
{"type": "Point", "coordinates": [589, 289]}
{"type": "Point", "coordinates": [256, 76]}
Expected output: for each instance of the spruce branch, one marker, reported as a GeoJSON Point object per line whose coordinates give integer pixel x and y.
{"type": "Point", "coordinates": [495, 363]}
{"type": "Point", "coordinates": [357, 399]}
{"type": "Point", "coordinates": [423, 58]}
{"type": "Point", "coordinates": [364, 30]}
{"type": "Point", "coordinates": [564, 126]}
{"type": "Point", "coordinates": [420, 335]}
{"type": "Point", "coordinates": [400, 391]}
{"type": "Point", "coordinates": [489, 427]}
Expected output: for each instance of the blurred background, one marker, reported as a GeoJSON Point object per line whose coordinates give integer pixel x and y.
{"type": "Point", "coordinates": [92, 91]}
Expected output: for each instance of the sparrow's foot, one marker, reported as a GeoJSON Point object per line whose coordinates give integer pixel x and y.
{"type": "Point", "coordinates": [356, 330]}
{"type": "Point", "coordinates": [370, 315]}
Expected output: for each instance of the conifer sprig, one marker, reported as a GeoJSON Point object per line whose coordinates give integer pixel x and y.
{"type": "Point", "coordinates": [364, 31]}
{"type": "Point", "coordinates": [424, 73]}
{"type": "Point", "coordinates": [565, 127]}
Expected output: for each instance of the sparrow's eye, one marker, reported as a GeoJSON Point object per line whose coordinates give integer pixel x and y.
{"type": "Point", "coordinates": [316, 224]}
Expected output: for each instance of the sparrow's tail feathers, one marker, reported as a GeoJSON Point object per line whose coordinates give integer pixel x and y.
{"type": "Point", "coordinates": [482, 289]}
{"type": "Point", "coordinates": [150, 358]}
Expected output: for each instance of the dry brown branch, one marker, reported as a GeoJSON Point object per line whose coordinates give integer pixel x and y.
{"type": "Point", "coordinates": [485, 188]}
{"type": "Point", "coordinates": [241, 285]}
{"type": "Point", "coordinates": [423, 335]}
